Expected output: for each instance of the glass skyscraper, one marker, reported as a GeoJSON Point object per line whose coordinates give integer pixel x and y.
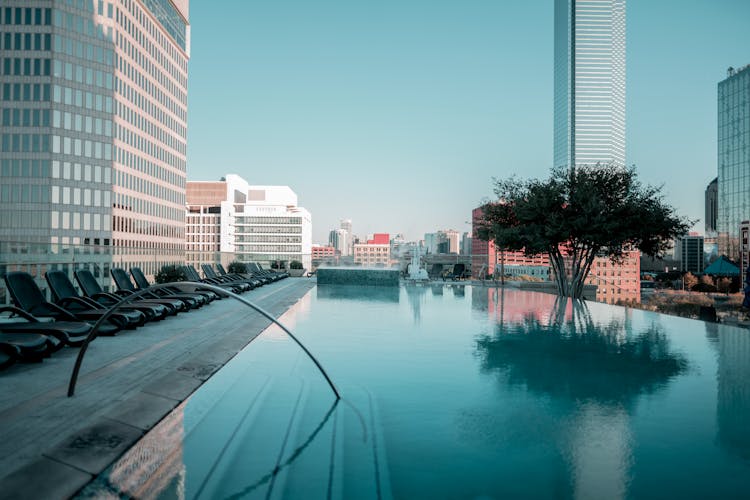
{"type": "Point", "coordinates": [589, 117]}
{"type": "Point", "coordinates": [734, 159]}
{"type": "Point", "coordinates": [93, 123]}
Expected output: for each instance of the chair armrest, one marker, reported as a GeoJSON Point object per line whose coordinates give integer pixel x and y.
{"type": "Point", "coordinates": [78, 302]}
{"type": "Point", "coordinates": [19, 312]}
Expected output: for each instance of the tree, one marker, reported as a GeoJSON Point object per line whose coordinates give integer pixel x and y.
{"type": "Point", "coordinates": [237, 267]}
{"type": "Point", "coordinates": [724, 284]}
{"type": "Point", "coordinates": [689, 280]}
{"type": "Point", "coordinates": [707, 280]}
{"type": "Point", "coordinates": [169, 273]}
{"type": "Point", "coordinates": [578, 214]}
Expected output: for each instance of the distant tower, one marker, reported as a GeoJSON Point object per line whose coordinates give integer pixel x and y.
{"type": "Point", "coordinates": [589, 82]}
{"type": "Point", "coordinates": [712, 200]}
{"type": "Point", "coordinates": [734, 159]}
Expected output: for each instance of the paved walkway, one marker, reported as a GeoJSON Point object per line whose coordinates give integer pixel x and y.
{"type": "Point", "coordinates": [52, 445]}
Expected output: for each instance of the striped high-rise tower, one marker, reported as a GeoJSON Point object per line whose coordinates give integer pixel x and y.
{"type": "Point", "coordinates": [589, 82]}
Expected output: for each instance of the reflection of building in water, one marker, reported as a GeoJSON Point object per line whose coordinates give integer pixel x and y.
{"type": "Point", "coordinates": [416, 295]}
{"type": "Point", "coordinates": [512, 305]}
{"type": "Point", "coordinates": [154, 466]}
{"type": "Point", "coordinates": [733, 398]}
{"type": "Point", "coordinates": [600, 452]}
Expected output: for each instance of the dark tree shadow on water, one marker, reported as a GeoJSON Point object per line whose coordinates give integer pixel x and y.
{"type": "Point", "coordinates": [574, 358]}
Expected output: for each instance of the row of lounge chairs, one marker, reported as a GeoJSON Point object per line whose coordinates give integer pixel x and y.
{"type": "Point", "coordinates": [37, 327]}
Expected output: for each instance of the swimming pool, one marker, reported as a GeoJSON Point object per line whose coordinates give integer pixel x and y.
{"type": "Point", "coordinates": [460, 392]}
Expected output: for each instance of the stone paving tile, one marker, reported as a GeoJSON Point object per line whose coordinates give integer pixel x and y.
{"type": "Point", "coordinates": [95, 447]}
{"type": "Point", "coordinates": [174, 385]}
{"type": "Point", "coordinates": [57, 481]}
{"type": "Point", "coordinates": [142, 410]}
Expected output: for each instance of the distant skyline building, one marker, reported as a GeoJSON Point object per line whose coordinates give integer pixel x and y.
{"type": "Point", "coordinates": [260, 224]}
{"type": "Point", "coordinates": [589, 82]}
{"type": "Point", "coordinates": [712, 204]}
{"type": "Point", "coordinates": [340, 239]}
{"type": "Point", "coordinates": [444, 241]}
{"type": "Point", "coordinates": [733, 159]}
{"type": "Point", "coordinates": [376, 252]}
{"type": "Point", "coordinates": [93, 129]}
{"type": "Point", "coordinates": [692, 258]}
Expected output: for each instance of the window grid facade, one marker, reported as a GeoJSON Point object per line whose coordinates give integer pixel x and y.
{"type": "Point", "coordinates": [733, 159]}
{"type": "Point", "coordinates": [589, 107]}
{"type": "Point", "coordinates": [93, 124]}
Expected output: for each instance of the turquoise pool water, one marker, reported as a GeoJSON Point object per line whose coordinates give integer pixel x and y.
{"type": "Point", "coordinates": [461, 392]}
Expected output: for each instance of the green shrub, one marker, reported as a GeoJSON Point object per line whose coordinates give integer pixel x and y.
{"type": "Point", "coordinates": [237, 267]}
{"type": "Point", "coordinates": [169, 274]}
{"type": "Point", "coordinates": [295, 264]}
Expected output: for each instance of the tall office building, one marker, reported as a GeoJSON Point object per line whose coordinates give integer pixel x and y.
{"type": "Point", "coordinates": [589, 120]}
{"type": "Point", "coordinates": [734, 159]}
{"type": "Point", "coordinates": [94, 124]}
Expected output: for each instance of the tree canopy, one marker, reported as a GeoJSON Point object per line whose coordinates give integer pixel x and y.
{"type": "Point", "coordinates": [578, 214]}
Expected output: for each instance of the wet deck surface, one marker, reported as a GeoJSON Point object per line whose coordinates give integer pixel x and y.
{"type": "Point", "coordinates": [52, 445]}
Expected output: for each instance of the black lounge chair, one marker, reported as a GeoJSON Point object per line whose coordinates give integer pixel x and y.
{"type": "Point", "coordinates": [192, 275]}
{"type": "Point", "coordinates": [259, 271]}
{"type": "Point", "coordinates": [66, 295]}
{"type": "Point", "coordinates": [93, 291]}
{"type": "Point", "coordinates": [59, 333]}
{"type": "Point", "coordinates": [126, 288]}
{"type": "Point", "coordinates": [25, 346]}
{"type": "Point", "coordinates": [252, 274]}
{"type": "Point", "coordinates": [9, 354]}
{"type": "Point", "coordinates": [195, 299]}
{"type": "Point", "coordinates": [246, 283]}
{"type": "Point", "coordinates": [26, 295]}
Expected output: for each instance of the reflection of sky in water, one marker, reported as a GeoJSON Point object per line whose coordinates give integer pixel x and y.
{"type": "Point", "coordinates": [470, 392]}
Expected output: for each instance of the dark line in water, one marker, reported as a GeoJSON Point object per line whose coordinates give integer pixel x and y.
{"type": "Point", "coordinates": [277, 467]}
{"type": "Point", "coordinates": [374, 447]}
{"type": "Point", "coordinates": [297, 452]}
{"type": "Point", "coordinates": [332, 463]}
{"type": "Point", "coordinates": [229, 441]}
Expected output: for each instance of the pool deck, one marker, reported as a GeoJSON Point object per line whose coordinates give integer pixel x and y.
{"type": "Point", "coordinates": [52, 445]}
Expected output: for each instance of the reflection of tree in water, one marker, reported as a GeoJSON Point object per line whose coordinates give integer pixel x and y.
{"type": "Point", "coordinates": [578, 359]}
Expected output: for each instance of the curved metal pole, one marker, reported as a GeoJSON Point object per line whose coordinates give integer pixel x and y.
{"type": "Point", "coordinates": [221, 291]}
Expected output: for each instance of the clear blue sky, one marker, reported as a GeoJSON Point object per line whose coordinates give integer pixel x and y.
{"type": "Point", "coordinates": [397, 113]}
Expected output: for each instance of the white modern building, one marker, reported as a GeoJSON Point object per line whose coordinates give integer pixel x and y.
{"type": "Point", "coordinates": [248, 223]}
{"type": "Point", "coordinates": [589, 119]}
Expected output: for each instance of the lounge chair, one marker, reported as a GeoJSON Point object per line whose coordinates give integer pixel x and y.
{"type": "Point", "coordinates": [92, 290]}
{"type": "Point", "coordinates": [205, 296]}
{"type": "Point", "coordinates": [247, 283]}
{"type": "Point", "coordinates": [24, 347]}
{"type": "Point", "coordinates": [259, 271]}
{"type": "Point", "coordinates": [248, 272]}
{"type": "Point", "coordinates": [192, 275]}
{"type": "Point", "coordinates": [66, 295]}
{"type": "Point", "coordinates": [26, 295]}
{"type": "Point", "coordinates": [192, 300]}
{"type": "Point", "coordinates": [60, 333]}
{"type": "Point", "coordinates": [126, 288]}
